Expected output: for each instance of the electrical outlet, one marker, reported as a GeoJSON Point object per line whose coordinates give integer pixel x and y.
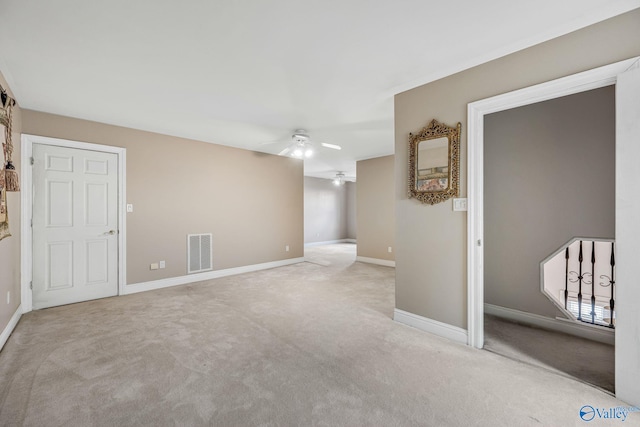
{"type": "Point", "coordinates": [8, 297]}
{"type": "Point", "coordinates": [154, 266]}
{"type": "Point", "coordinates": [389, 249]}
{"type": "Point", "coordinates": [286, 248]}
{"type": "Point", "coordinates": [129, 207]}
{"type": "Point", "coordinates": [162, 264]}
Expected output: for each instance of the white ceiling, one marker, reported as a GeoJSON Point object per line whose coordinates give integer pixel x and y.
{"type": "Point", "coordinates": [246, 73]}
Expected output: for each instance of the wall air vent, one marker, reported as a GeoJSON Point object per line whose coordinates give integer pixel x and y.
{"type": "Point", "coordinates": [199, 253]}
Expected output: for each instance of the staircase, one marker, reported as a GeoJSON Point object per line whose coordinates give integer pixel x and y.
{"type": "Point", "coordinates": [579, 278]}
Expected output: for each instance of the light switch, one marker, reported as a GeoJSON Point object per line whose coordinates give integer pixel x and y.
{"type": "Point", "coordinates": [129, 207]}
{"type": "Point", "coordinates": [460, 204]}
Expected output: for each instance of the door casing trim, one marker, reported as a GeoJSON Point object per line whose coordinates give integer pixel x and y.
{"type": "Point", "coordinates": [26, 237]}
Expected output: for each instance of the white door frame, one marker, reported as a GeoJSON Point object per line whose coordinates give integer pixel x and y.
{"type": "Point", "coordinates": [26, 238]}
{"type": "Point", "coordinates": [581, 82]}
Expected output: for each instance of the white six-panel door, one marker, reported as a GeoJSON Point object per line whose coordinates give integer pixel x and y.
{"type": "Point", "coordinates": [75, 225]}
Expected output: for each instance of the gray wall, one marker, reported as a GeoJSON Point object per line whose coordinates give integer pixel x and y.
{"type": "Point", "coordinates": [549, 175]}
{"type": "Point", "coordinates": [431, 240]}
{"type": "Point", "coordinates": [376, 210]}
{"type": "Point", "coordinates": [325, 210]}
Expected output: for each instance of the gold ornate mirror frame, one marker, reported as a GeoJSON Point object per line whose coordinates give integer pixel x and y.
{"type": "Point", "coordinates": [434, 183]}
{"type": "Point", "coordinates": [5, 126]}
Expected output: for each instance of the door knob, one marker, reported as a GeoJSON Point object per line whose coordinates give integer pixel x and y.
{"type": "Point", "coordinates": [110, 232]}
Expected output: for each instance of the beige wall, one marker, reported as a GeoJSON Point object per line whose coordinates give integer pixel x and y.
{"type": "Point", "coordinates": [325, 210]}
{"type": "Point", "coordinates": [375, 209]}
{"type": "Point", "coordinates": [352, 225]}
{"type": "Point", "coordinates": [431, 240]}
{"type": "Point", "coordinates": [251, 202]}
{"type": "Point", "coordinates": [10, 246]}
{"type": "Point", "coordinates": [549, 176]}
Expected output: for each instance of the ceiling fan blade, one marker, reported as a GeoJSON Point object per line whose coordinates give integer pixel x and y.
{"type": "Point", "coordinates": [262, 144]}
{"type": "Point", "coordinates": [284, 152]}
{"type": "Point", "coordinates": [332, 146]}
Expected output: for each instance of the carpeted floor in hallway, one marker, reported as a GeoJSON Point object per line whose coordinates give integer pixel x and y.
{"type": "Point", "coordinates": [307, 344]}
{"type": "Point", "coordinates": [589, 361]}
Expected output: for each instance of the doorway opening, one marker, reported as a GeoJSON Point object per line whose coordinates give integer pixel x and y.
{"type": "Point", "coordinates": [549, 177]}
{"type": "Point", "coordinates": [592, 79]}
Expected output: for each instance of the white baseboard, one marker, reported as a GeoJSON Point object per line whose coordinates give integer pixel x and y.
{"type": "Point", "coordinates": [385, 262]}
{"type": "Point", "coordinates": [10, 326]}
{"type": "Point", "coordinates": [329, 242]}
{"type": "Point", "coordinates": [432, 326]}
{"type": "Point", "coordinates": [209, 275]}
{"type": "Point", "coordinates": [594, 333]}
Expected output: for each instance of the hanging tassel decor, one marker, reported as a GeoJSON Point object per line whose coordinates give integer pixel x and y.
{"type": "Point", "coordinates": [2, 181]}
{"type": "Point", "coordinates": [11, 177]}
{"type": "Point", "coordinates": [12, 180]}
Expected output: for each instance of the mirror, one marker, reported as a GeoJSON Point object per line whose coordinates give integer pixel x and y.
{"type": "Point", "coordinates": [434, 163]}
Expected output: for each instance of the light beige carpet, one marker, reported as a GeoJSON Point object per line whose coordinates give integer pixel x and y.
{"type": "Point", "coordinates": [307, 344]}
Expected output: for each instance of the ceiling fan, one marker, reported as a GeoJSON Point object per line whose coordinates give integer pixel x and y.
{"type": "Point", "coordinates": [301, 145]}
{"type": "Point", "coordinates": [341, 178]}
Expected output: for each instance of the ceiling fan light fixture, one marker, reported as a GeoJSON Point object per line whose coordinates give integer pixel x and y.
{"type": "Point", "coordinates": [300, 135]}
{"type": "Point", "coordinates": [301, 146]}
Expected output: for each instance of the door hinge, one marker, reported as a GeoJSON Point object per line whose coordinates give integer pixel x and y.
{"type": "Point", "coordinates": [479, 242]}
{"type": "Point", "coordinates": [31, 222]}
{"type": "Point", "coordinates": [32, 161]}
{"type": "Point", "coordinates": [31, 285]}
